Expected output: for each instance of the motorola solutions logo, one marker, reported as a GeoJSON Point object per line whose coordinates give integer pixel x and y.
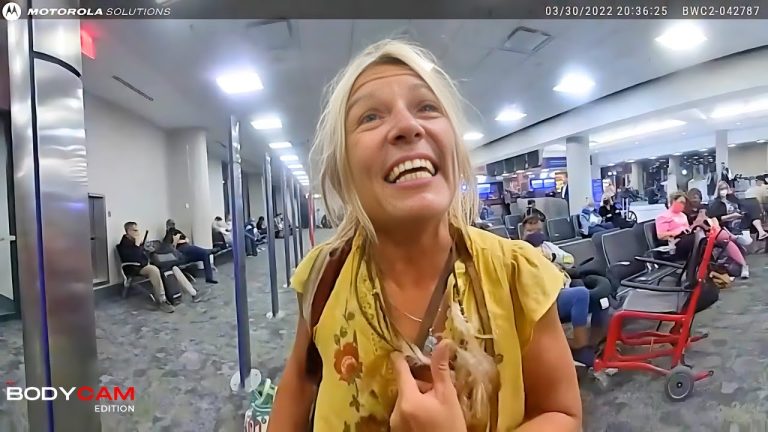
{"type": "Point", "coordinates": [11, 11]}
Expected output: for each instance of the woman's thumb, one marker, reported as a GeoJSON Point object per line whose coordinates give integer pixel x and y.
{"type": "Point", "coordinates": [440, 365]}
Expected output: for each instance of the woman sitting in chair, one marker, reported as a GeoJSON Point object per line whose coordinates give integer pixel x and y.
{"type": "Point", "coordinates": [590, 221]}
{"type": "Point", "coordinates": [726, 207]}
{"type": "Point", "coordinates": [611, 213]}
{"type": "Point", "coordinates": [673, 226]}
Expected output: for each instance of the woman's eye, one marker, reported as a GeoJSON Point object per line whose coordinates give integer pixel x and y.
{"type": "Point", "coordinates": [369, 118]}
{"type": "Point", "coordinates": [429, 108]}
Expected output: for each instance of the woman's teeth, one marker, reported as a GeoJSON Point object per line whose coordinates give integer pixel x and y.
{"type": "Point", "coordinates": [419, 168]}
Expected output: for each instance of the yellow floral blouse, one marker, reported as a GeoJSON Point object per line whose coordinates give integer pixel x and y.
{"type": "Point", "coordinates": [357, 393]}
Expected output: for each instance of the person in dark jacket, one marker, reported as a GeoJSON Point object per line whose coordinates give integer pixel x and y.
{"type": "Point", "coordinates": [191, 252]}
{"type": "Point", "coordinates": [136, 262]}
{"type": "Point", "coordinates": [726, 208]}
{"type": "Point", "coordinates": [611, 213]}
{"type": "Point", "coordinates": [532, 210]}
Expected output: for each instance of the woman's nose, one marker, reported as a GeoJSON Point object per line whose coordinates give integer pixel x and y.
{"type": "Point", "coordinates": [406, 128]}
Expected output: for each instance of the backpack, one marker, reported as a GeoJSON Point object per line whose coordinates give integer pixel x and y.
{"type": "Point", "coordinates": [320, 284]}
{"type": "Point", "coordinates": [172, 287]}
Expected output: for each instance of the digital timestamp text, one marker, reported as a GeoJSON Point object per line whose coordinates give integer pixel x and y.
{"type": "Point", "coordinates": [612, 11]}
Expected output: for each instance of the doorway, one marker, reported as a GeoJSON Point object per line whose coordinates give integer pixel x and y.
{"type": "Point", "coordinates": [9, 294]}
{"type": "Point", "coordinates": [97, 211]}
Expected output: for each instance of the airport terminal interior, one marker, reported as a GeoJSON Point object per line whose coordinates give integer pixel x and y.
{"type": "Point", "coordinates": [599, 127]}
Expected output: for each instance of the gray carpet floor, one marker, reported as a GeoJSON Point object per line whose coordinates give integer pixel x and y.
{"type": "Point", "coordinates": [181, 363]}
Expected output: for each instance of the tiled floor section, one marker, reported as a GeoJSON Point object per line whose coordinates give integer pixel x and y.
{"type": "Point", "coordinates": [181, 364]}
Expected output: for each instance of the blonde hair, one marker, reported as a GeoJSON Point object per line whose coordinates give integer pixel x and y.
{"type": "Point", "coordinates": [476, 374]}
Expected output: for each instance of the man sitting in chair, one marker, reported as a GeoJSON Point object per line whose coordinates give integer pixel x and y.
{"type": "Point", "coordinates": [191, 252]}
{"type": "Point", "coordinates": [136, 262]}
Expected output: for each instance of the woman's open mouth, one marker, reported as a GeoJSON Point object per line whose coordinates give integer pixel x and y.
{"type": "Point", "coordinates": [411, 170]}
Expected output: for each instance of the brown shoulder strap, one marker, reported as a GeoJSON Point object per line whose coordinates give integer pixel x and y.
{"type": "Point", "coordinates": [333, 266]}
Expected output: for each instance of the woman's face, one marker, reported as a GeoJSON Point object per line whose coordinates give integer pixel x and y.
{"type": "Point", "coordinates": [400, 145]}
{"type": "Point", "coordinates": [723, 191]}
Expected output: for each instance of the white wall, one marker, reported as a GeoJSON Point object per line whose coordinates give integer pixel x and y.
{"type": "Point", "coordinates": [127, 162]}
{"type": "Point", "coordinates": [748, 160]}
{"type": "Point", "coordinates": [216, 181]}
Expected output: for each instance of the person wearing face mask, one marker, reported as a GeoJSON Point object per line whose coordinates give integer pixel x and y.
{"type": "Point", "coordinates": [673, 226]}
{"type": "Point", "coordinates": [590, 221]}
{"type": "Point", "coordinates": [725, 208]}
{"type": "Point", "coordinates": [611, 213]}
{"type": "Point", "coordinates": [693, 205]}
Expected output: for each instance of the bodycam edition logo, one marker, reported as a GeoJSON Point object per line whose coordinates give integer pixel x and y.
{"type": "Point", "coordinates": [12, 11]}
{"type": "Point", "coordinates": [107, 400]}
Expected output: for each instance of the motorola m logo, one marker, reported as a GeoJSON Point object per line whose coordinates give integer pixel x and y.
{"type": "Point", "coordinates": [11, 11]}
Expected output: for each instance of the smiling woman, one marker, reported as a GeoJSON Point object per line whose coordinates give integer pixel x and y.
{"type": "Point", "coordinates": [411, 319]}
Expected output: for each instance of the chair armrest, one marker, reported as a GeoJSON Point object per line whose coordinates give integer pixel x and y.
{"type": "Point", "coordinates": [655, 288]}
{"type": "Point", "coordinates": [123, 265]}
{"type": "Point", "coordinates": [660, 262]}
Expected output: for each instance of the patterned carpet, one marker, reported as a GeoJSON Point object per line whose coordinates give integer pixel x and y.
{"type": "Point", "coordinates": [181, 363]}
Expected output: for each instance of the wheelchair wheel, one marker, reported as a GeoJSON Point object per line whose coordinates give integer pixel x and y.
{"type": "Point", "coordinates": [631, 216]}
{"type": "Point", "coordinates": [679, 385]}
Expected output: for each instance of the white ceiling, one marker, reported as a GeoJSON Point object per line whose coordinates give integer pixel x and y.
{"type": "Point", "coordinates": [176, 62]}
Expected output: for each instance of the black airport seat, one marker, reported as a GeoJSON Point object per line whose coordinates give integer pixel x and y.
{"type": "Point", "coordinates": [560, 229]}
{"type": "Point", "coordinates": [511, 221]}
{"type": "Point", "coordinates": [628, 261]}
{"type": "Point", "coordinates": [499, 230]}
{"type": "Point", "coordinates": [583, 250]}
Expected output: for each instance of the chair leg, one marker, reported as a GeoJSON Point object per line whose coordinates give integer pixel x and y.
{"type": "Point", "coordinates": [125, 290]}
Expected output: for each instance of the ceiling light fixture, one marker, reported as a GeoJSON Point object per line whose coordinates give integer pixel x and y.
{"type": "Point", "coordinates": [240, 82]}
{"type": "Point", "coordinates": [289, 158]}
{"type": "Point", "coordinates": [703, 150]}
{"type": "Point", "coordinates": [473, 136]}
{"type": "Point", "coordinates": [574, 84]}
{"type": "Point", "coordinates": [652, 157]}
{"type": "Point", "coordinates": [295, 166]}
{"type": "Point", "coordinates": [280, 145]}
{"type": "Point", "coordinates": [510, 114]}
{"type": "Point", "coordinates": [613, 164]}
{"type": "Point", "coordinates": [761, 141]}
{"type": "Point", "coordinates": [641, 129]}
{"type": "Point", "coordinates": [676, 154]}
{"type": "Point", "coordinates": [731, 145]}
{"type": "Point", "coordinates": [267, 123]}
{"type": "Point", "coordinates": [684, 171]}
{"type": "Point", "coordinates": [683, 36]}
{"type": "Point", "coordinates": [300, 174]}
{"type": "Point", "coordinates": [630, 160]}
{"type": "Point", "coordinates": [739, 109]}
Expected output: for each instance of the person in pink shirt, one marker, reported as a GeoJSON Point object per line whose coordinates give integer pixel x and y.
{"type": "Point", "coordinates": [673, 226]}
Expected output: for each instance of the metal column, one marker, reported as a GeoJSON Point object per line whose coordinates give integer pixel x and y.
{"type": "Point", "coordinates": [292, 183]}
{"type": "Point", "coordinates": [269, 208]}
{"type": "Point", "coordinates": [299, 221]}
{"type": "Point", "coordinates": [51, 193]}
{"type": "Point", "coordinates": [286, 195]}
{"type": "Point", "coordinates": [238, 249]}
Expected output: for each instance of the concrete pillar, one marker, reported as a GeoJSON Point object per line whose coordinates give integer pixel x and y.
{"type": "Point", "coordinates": [636, 177]}
{"type": "Point", "coordinates": [579, 172]}
{"type": "Point", "coordinates": [191, 193]}
{"type": "Point", "coordinates": [673, 171]}
{"type": "Point", "coordinates": [721, 150]}
{"type": "Point", "coordinates": [594, 170]}
{"type": "Point", "coordinates": [50, 177]}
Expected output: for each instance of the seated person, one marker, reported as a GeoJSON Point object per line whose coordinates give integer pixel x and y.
{"type": "Point", "coordinates": [222, 231]}
{"type": "Point", "coordinates": [253, 238]}
{"type": "Point", "coordinates": [693, 205]}
{"type": "Point", "coordinates": [673, 226]}
{"type": "Point", "coordinates": [611, 213]}
{"type": "Point", "coordinates": [131, 250]}
{"type": "Point", "coordinates": [531, 210]}
{"type": "Point", "coordinates": [725, 208]}
{"type": "Point", "coordinates": [759, 191]}
{"type": "Point", "coordinates": [573, 302]}
{"type": "Point", "coordinates": [191, 252]}
{"type": "Point", "coordinates": [261, 226]}
{"type": "Point", "coordinates": [590, 221]}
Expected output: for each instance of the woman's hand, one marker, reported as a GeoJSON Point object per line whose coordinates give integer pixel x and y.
{"type": "Point", "coordinates": [435, 410]}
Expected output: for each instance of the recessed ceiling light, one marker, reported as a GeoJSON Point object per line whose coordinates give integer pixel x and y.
{"type": "Point", "coordinates": [611, 164]}
{"type": "Point", "coordinates": [683, 133]}
{"type": "Point", "coordinates": [240, 82]}
{"type": "Point", "coordinates": [267, 123]}
{"type": "Point", "coordinates": [280, 145]}
{"type": "Point", "coordinates": [760, 141]}
{"type": "Point", "coordinates": [510, 114]}
{"type": "Point", "coordinates": [703, 150]}
{"type": "Point", "coordinates": [731, 145]}
{"type": "Point", "coordinates": [630, 160]}
{"type": "Point", "coordinates": [295, 166]}
{"type": "Point", "coordinates": [682, 37]}
{"type": "Point", "coordinates": [317, 196]}
{"type": "Point", "coordinates": [676, 154]}
{"type": "Point", "coordinates": [473, 136]}
{"type": "Point", "coordinates": [289, 158]}
{"type": "Point", "coordinates": [574, 84]}
{"type": "Point", "coordinates": [652, 157]}
{"type": "Point", "coordinates": [300, 173]}
{"type": "Point", "coordinates": [738, 123]}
